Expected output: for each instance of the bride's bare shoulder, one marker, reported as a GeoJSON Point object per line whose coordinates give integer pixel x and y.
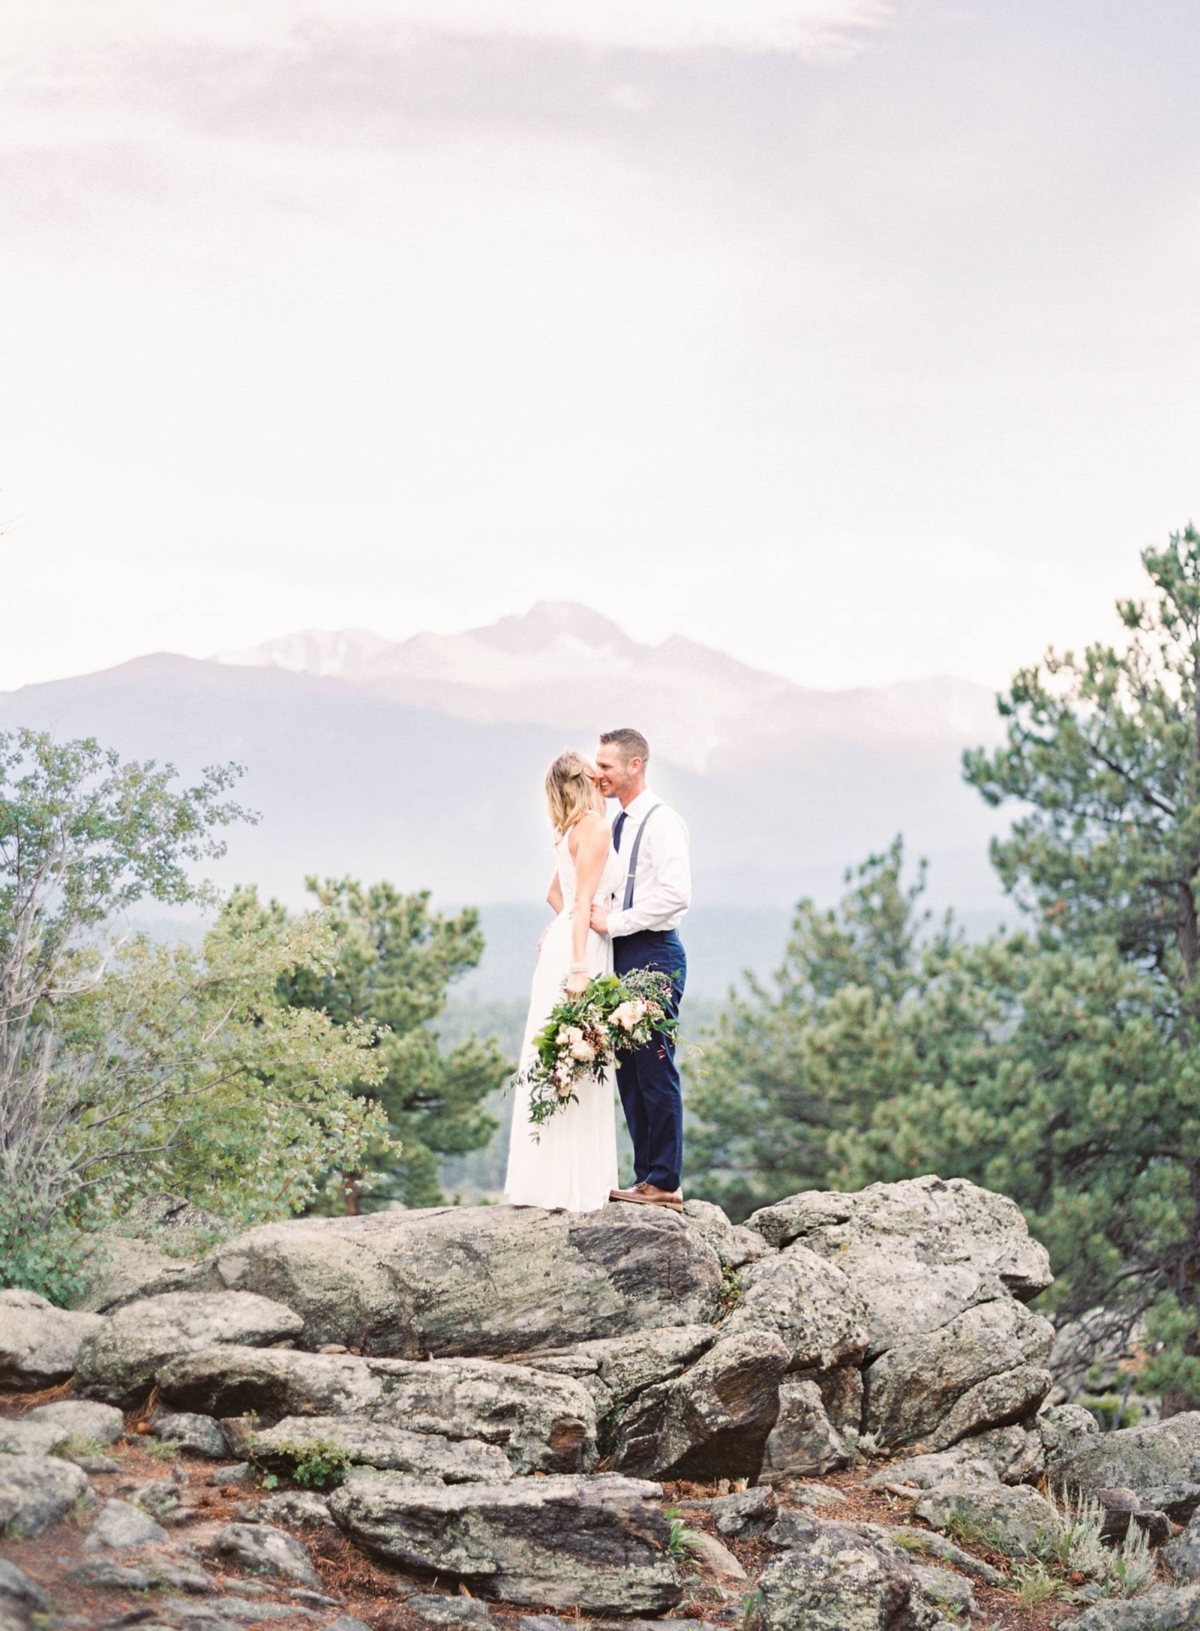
{"type": "Point", "coordinates": [591, 830]}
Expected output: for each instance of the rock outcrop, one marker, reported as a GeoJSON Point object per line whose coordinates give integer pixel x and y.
{"type": "Point", "coordinates": [504, 1391]}
{"type": "Point", "coordinates": [476, 1282]}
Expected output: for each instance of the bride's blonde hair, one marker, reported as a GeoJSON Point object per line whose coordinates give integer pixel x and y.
{"type": "Point", "coordinates": [570, 791]}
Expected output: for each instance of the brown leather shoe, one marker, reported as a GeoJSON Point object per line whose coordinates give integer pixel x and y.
{"type": "Point", "coordinates": [647, 1195]}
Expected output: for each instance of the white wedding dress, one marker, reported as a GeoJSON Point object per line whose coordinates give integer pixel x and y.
{"type": "Point", "coordinates": [573, 1163]}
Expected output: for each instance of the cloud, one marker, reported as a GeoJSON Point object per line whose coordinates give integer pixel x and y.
{"type": "Point", "coordinates": [803, 28]}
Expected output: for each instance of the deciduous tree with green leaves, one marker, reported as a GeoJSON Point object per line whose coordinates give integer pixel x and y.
{"type": "Point", "coordinates": [395, 960]}
{"type": "Point", "coordinates": [126, 1067]}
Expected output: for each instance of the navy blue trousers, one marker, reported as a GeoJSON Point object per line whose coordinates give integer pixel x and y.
{"type": "Point", "coordinates": [648, 1078]}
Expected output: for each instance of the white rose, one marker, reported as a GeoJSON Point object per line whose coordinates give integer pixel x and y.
{"type": "Point", "coordinates": [582, 1050]}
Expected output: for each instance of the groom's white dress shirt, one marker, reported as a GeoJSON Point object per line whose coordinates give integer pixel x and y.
{"type": "Point", "coordinates": [663, 886]}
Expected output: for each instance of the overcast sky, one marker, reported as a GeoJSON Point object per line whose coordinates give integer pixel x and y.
{"type": "Point", "coordinates": [857, 338]}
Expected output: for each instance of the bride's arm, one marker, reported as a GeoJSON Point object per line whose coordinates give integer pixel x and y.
{"type": "Point", "coordinates": [592, 841]}
{"type": "Point", "coordinates": [554, 898]}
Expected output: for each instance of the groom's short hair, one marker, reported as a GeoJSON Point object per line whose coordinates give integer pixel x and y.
{"type": "Point", "coordinates": [633, 744]}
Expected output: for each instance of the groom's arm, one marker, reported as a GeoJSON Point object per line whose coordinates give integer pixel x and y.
{"type": "Point", "coordinates": [663, 889]}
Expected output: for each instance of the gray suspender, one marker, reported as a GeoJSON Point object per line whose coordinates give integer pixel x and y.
{"type": "Point", "coordinates": [633, 856]}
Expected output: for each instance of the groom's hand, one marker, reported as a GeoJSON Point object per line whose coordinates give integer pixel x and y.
{"type": "Point", "coordinates": [599, 918]}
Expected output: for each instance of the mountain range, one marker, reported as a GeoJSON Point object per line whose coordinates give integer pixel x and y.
{"type": "Point", "coordinates": [421, 761]}
{"type": "Point", "coordinates": [562, 664]}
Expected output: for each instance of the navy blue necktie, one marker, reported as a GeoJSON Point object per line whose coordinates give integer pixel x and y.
{"type": "Point", "coordinates": [618, 829]}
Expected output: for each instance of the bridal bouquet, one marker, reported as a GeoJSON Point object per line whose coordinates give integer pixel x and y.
{"type": "Point", "coordinates": [584, 1035]}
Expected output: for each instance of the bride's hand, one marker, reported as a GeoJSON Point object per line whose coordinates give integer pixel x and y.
{"type": "Point", "coordinates": [577, 982]}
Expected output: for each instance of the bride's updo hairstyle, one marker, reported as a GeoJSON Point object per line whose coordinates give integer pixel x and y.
{"type": "Point", "coordinates": [570, 791]}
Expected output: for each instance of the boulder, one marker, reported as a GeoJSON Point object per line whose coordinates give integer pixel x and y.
{"type": "Point", "coordinates": [809, 1303]}
{"type": "Point", "coordinates": [1011, 1518]}
{"type": "Point", "coordinates": [1179, 1501]}
{"type": "Point", "coordinates": [297, 1507]}
{"type": "Point", "coordinates": [31, 1437]}
{"type": "Point", "coordinates": [1016, 1453]}
{"type": "Point", "coordinates": [948, 1592]}
{"type": "Point", "coordinates": [117, 1362]}
{"type": "Point", "coordinates": [18, 1590]}
{"type": "Point", "coordinates": [919, 1253]}
{"type": "Point", "coordinates": [110, 1577]}
{"type": "Point", "coordinates": [161, 1498]}
{"type": "Point", "coordinates": [598, 1544]}
{"type": "Point", "coordinates": [260, 1549]}
{"type": "Point", "coordinates": [228, 1380]}
{"type": "Point", "coordinates": [909, 1542]}
{"type": "Point", "coordinates": [954, 1466]}
{"type": "Point", "coordinates": [152, 1250]}
{"type": "Point", "coordinates": [831, 1579]}
{"type": "Point", "coordinates": [1162, 1608]}
{"type": "Point", "coordinates": [842, 1395]}
{"type": "Point", "coordinates": [36, 1491]}
{"type": "Point", "coordinates": [713, 1555]}
{"type": "Point", "coordinates": [1182, 1555]}
{"type": "Point", "coordinates": [733, 1243]}
{"type": "Point", "coordinates": [1060, 1425]}
{"type": "Point", "coordinates": [748, 1512]}
{"type": "Point", "coordinates": [120, 1527]}
{"type": "Point", "coordinates": [1123, 1508]}
{"type": "Point", "coordinates": [120, 1270]}
{"type": "Point", "coordinates": [39, 1343]}
{"type": "Point", "coordinates": [1144, 1459]}
{"type": "Point", "coordinates": [712, 1421]}
{"type": "Point", "coordinates": [1009, 1397]}
{"type": "Point", "coordinates": [426, 1456]}
{"type": "Point", "coordinates": [477, 1281]}
{"type": "Point", "coordinates": [542, 1422]}
{"type": "Point", "coordinates": [82, 1419]}
{"type": "Point", "coordinates": [981, 1370]}
{"type": "Point", "coordinates": [803, 1442]}
{"type": "Point", "coordinates": [614, 1369]}
{"type": "Point", "coordinates": [198, 1435]}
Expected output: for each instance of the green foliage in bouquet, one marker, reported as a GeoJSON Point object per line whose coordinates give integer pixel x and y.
{"type": "Point", "coordinates": [584, 1034]}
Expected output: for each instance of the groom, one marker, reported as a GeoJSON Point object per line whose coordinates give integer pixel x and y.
{"type": "Point", "coordinates": [657, 891]}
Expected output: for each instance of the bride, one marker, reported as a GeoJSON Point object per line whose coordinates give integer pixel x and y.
{"type": "Point", "coordinates": [573, 1163]}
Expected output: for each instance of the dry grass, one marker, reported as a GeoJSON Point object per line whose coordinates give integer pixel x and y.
{"type": "Point", "coordinates": [15, 1405]}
